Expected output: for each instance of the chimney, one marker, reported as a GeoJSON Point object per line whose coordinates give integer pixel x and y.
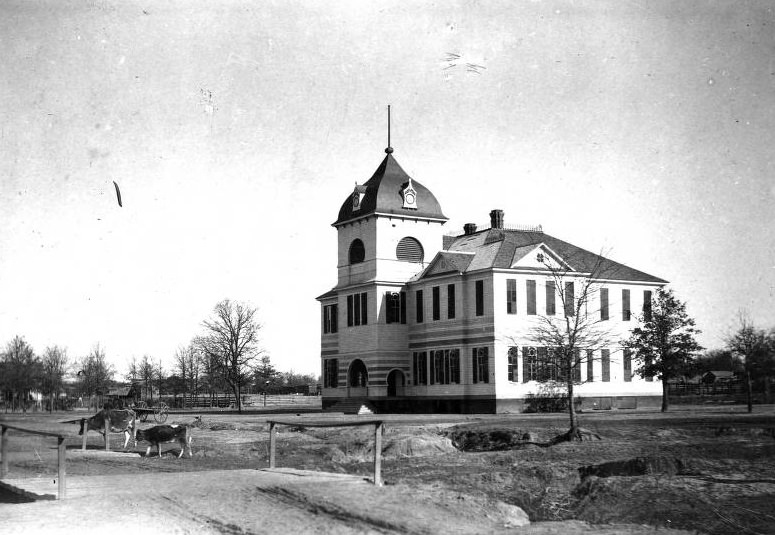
{"type": "Point", "coordinates": [496, 219]}
{"type": "Point", "coordinates": [469, 228]}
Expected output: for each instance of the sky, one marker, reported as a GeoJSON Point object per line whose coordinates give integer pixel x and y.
{"type": "Point", "coordinates": [235, 130]}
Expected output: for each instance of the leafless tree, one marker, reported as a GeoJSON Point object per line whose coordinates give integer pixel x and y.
{"type": "Point", "coordinates": [574, 334]}
{"type": "Point", "coordinates": [188, 363]}
{"type": "Point", "coordinates": [94, 372]}
{"type": "Point", "coordinates": [147, 374]}
{"type": "Point", "coordinates": [751, 345]}
{"type": "Point", "coordinates": [55, 364]}
{"type": "Point", "coordinates": [231, 343]}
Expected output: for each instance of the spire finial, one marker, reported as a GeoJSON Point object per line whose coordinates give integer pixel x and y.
{"type": "Point", "coordinates": [389, 149]}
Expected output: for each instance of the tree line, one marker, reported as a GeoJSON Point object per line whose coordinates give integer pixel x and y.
{"type": "Point", "coordinates": [225, 356]}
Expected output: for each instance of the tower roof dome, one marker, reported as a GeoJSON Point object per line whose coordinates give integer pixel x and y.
{"type": "Point", "coordinates": [387, 192]}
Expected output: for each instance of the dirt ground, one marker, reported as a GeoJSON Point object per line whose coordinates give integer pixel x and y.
{"type": "Point", "coordinates": [701, 470]}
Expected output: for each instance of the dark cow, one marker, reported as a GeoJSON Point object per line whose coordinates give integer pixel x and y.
{"type": "Point", "coordinates": [162, 434]}
{"type": "Point", "coordinates": [121, 421]}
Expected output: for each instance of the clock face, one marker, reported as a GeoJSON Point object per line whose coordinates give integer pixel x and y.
{"type": "Point", "coordinates": [410, 198]}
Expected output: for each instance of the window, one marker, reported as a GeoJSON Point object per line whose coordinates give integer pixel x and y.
{"type": "Point", "coordinates": [395, 307]}
{"type": "Point", "coordinates": [531, 297]}
{"type": "Point", "coordinates": [605, 359]}
{"type": "Point", "coordinates": [330, 373]}
{"type": "Point", "coordinates": [513, 369]}
{"type": "Point", "coordinates": [603, 304]}
{"type": "Point", "coordinates": [357, 252]}
{"type": "Point", "coordinates": [479, 357]}
{"type": "Point", "coordinates": [550, 293]}
{"type": "Point", "coordinates": [576, 366]}
{"type": "Point", "coordinates": [627, 365]}
{"type": "Point", "coordinates": [419, 306]}
{"type": "Point", "coordinates": [511, 296]}
{"type": "Point", "coordinates": [590, 371]}
{"type": "Point", "coordinates": [647, 305]}
{"type": "Point", "coordinates": [329, 318]}
{"type": "Point", "coordinates": [436, 303]}
{"type": "Point", "coordinates": [570, 300]}
{"type": "Point", "coordinates": [541, 364]}
{"type": "Point", "coordinates": [450, 301]}
{"type": "Point", "coordinates": [420, 368]}
{"type": "Point", "coordinates": [480, 298]}
{"type": "Point", "coordinates": [356, 309]}
{"type": "Point", "coordinates": [409, 250]}
{"type": "Point", "coordinates": [445, 366]}
{"type": "Point", "coordinates": [626, 305]}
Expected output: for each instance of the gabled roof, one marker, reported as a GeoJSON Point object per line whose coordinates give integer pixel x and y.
{"type": "Point", "coordinates": [497, 248]}
{"type": "Point", "coordinates": [448, 262]}
{"type": "Point", "coordinates": [383, 195]}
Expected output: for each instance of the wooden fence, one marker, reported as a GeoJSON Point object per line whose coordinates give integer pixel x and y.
{"type": "Point", "coordinates": [379, 429]}
{"type": "Point", "coordinates": [61, 453]}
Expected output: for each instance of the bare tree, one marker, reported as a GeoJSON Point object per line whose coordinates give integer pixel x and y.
{"type": "Point", "coordinates": [95, 373]}
{"type": "Point", "coordinates": [147, 374]}
{"type": "Point", "coordinates": [751, 345]}
{"type": "Point", "coordinates": [54, 367]}
{"type": "Point", "coordinates": [231, 343]}
{"type": "Point", "coordinates": [570, 337]}
{"type": "Point", "coordinates": [188, 363]}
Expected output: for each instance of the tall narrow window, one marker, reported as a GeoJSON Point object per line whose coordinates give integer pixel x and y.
{"type": "Point", "coordinates": [480, 367]}
{"type": "Point", "coordinates": [450, 301]}
{"type": "Point", "coordinates": [330, 373]}
{"type": "Point", "coordinates": [350, 311]}
{"type": "Point", "coordinates": [531, 297]}
{"type": "Point", "coordinates": [626, 305]}
{"type": "Point", "coordinates": [550, 293]}
{"type": "Point", "coordinates": [364, 308]}
{"type": "Point", "coordinates": [436, 304]}
{"type": "Point", "coordinates": [357, 309]}
{"type": "Point", "coordinates": [403, 306]}
{"type": "Point", "coordinates": [513, 369]}
{"type": "Point", "coordinates": [420, 368]}
{"type": "Point", "coordinates": [590, 360]}
{"type": "Point", "coordinates": [419, 306]}
{"type": "Point", "coordinates": [511, 296]}
{"type": "Point", "coordinates": [576, 372]}
{"type": "Point", "coordinates": [605, 360]}
{"type": "Point", "coordinates": [445, 366]}
{"type": "Point", "coordinates": [480, 298]}
{"type": "Point", "coordinates": [529, 364]}
{"type": "Point", "coordinates": [395, 307]}
{"type": "Point", "coordinates": [627, 365]}
{"type": "Point", "coordinates": [647, 305]}
{"type": "Point", "coordinates": [570, 301]}
{"type": "Point", "coordinates": [330, 318]}
{"type": "Point", "coordinates": [603, 304]}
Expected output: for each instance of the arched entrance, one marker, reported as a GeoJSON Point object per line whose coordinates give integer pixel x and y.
{"type": "Point", "coordinates": [395, 382]}
{"type": "Point", "coordinates": [358, 375]}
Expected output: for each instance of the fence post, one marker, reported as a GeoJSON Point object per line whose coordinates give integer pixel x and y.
{"type": "Point", "coordinates": [107, 431]}
{"type": "Point", "coordinates": [272, 440]}
{"type": "Point", "coordinates": [85, 426]}
{"type": "Point", "coordinates": [61, 456]}
{"type": "Point", "coordinates": [4, 452]}
{"type": "Point", "coordinates": [378, 428]}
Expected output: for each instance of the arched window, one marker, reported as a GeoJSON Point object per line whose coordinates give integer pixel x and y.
{"type": "Point", "coordinates": [357, 252]}
{"type": "Point", "coordinates": [409, 250]}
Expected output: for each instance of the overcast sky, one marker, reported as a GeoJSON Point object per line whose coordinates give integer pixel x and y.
{"type": "Point", "coordinates": [235, 130]}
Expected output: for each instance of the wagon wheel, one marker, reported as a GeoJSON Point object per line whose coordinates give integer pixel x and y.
{"type": "Point", "coordinates": [142, 405]}
{"type": "Point", "coordinates": [160, 413]}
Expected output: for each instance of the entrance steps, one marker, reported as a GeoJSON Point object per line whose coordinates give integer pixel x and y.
{"type": "Point", "coordinates": [353, 406]}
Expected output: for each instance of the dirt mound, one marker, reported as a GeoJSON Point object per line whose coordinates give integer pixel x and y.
{"type": "Point", "coordinates": [489, 439]}
{"type": "Point", "coordinates": [639, 466]}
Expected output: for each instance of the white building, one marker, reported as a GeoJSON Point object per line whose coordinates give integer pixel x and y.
{"type": "Point", "coordinates": [423, 322]}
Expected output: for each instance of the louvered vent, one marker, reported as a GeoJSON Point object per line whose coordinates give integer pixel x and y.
{"type": "Point", "coordinates": [409, 250]}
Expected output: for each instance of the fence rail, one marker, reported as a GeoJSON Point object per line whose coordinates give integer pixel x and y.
{"type": "Point", "coordinates": [61, 453]}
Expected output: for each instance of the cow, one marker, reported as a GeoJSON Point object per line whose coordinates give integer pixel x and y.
{"type": "Point", "coordinates": [121, 421]}
{"type": "Point", "coordinates": [162, 434]}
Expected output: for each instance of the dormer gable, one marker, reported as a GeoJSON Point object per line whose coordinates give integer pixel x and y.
{"type": "Point", "coordinates": [539, 256]}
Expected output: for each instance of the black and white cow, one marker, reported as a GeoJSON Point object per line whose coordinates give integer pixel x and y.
{"type": "Point", "coordinates": [162, 434]}
{"type": "Point", "coordinates": [121, 421]}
